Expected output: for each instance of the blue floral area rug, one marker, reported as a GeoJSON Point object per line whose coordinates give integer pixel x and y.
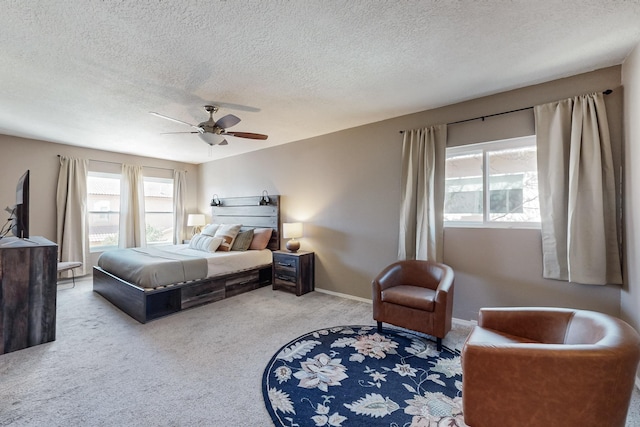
{"type": "Point", "coordinates": [354, 376]}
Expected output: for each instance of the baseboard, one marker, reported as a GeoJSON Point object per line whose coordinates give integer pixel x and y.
{"type": "Point", "coordinates": [469, 323]}
{"type": "Point", "coordinates": [341, 295]}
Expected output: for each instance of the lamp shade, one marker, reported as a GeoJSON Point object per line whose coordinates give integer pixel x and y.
{"type": "Point", "coordinates": [195, 220]}
{"type": "Point", "coordinates": [292, 230]}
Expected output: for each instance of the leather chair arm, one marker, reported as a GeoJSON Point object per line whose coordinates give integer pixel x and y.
{"type": "Point", "coordinates": [387, 278]}
{"type": "Point", "coordinates": [445, 287]}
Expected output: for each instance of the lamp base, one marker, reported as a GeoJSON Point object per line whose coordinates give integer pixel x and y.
{"type": "Point", "coordinates": [293, 245]}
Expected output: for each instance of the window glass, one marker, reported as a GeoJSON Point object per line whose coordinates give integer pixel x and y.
{"type": "Point", "coordinates": [493, 184]}
{"type": "Point", "coordinates": [158, 204]}
{"type": "Point", "coordinates": [513, 185]}
{"type": "Point", "coordinates": [103, 206]}
{"type": "Point", "coordinates": [463, 187]}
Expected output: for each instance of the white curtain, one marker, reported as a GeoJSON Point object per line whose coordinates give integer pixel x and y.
{"type": "Point", "coordinates": [132, 224]}
{"type": "Point", "coordinates": [577, 191]}
{"type": "Point", "coordinates": [422, 204]}
{"type": "Point", "coordinates": [71, 209]}
{"type": "Point", "coordinates": [179, 195]}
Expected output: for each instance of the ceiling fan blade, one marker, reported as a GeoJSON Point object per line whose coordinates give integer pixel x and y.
{"type": "Point", "coordinates": [246, 135]}
{"type": "Point", "coordinates": [171, 133]}
{"type": "Point", "coordinates": [162, 116]}
{"type": "Point", "coordinates": [228, 121]}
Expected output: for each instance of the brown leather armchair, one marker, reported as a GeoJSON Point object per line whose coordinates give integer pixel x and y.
{"type": "Point", "coordinates": [543, 367]}
{"type": "Point", "coordinates": [416, 295]}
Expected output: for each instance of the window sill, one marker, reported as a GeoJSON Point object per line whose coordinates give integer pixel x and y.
{"type": "Point", "coordinates": [501, 226]}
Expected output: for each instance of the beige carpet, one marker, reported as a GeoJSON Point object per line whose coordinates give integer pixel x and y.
{"type": "Point", "coordinates": [201, 367]}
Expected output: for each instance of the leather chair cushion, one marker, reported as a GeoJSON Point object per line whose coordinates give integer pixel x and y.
{"type": "Point", "coordinates": [491, 337]}
{"type": "Point", "coordinates": [410, 296]}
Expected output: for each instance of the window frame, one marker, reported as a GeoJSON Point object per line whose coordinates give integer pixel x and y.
{"type": "Point", "coordinates": [484, 148]}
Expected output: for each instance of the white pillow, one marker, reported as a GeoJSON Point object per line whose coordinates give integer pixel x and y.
{"type": "Point", "coordinates": [228, 233]}
{"type": "Point", "coordinates": [210, 229]}
{"type": "Point", "coordinates": [204, 243]}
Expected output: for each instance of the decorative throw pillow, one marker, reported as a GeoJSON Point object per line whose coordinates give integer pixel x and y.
{"type": "Point", "coordinates": [243, 240]}
{"type": "Point", "coordinates": [210, 229]}
{"type": "Point", "coordinates": [204, 243]}
{"type": "Point", "coordinates": [261, 237]}
{"type": "Point", "coordinates": [228, 232]}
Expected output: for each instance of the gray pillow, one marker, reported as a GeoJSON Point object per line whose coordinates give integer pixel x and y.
{"type": "Point", "coordinates": [243, 240]}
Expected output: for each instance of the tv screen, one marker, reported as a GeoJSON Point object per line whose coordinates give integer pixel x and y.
{"type": "Point", "coordinates": [20, 226]}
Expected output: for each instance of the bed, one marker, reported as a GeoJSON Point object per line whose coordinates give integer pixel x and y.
{"type": "Point", "coordinates": [149, 283]}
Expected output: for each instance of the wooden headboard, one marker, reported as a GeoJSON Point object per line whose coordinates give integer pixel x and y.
{"type": "Point", "coordinates": [251, 214]}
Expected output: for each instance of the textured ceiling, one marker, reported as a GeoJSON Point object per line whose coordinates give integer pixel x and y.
{"type": "Point", "coordinates": [88, 72]}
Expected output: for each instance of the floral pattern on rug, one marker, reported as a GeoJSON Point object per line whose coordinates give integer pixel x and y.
{"type": "Point", "coordinates": [355, 376]}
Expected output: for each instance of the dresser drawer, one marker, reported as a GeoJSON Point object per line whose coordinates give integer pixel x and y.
{"type": "Point", "coordinates": [201, 294]}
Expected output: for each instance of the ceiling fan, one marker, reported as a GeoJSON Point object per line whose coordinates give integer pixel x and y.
{"type": "Point", "coordinates": [208, 130]}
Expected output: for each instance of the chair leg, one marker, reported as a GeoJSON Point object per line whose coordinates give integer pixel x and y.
{"type": "Point", "coordinates": [380, 327]}
{"type": "Point", "coordinates": [73, 277]}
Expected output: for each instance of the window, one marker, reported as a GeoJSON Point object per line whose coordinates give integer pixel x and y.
{"type": "Point", "coordinates": [158, 205]}
{"type": "Point", "coordinates": [103, 206]}
{"type": "Point", "coordinates": [492, 184]}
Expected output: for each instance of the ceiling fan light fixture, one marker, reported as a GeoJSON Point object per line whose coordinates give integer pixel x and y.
{"type": "Point", "coordinates": [212, 138]}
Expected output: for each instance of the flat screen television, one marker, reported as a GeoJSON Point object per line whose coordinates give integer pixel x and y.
{"type": "Point", "coordinates": [20, 216]}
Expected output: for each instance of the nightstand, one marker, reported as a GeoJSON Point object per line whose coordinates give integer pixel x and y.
{"type": "Point", "coordinates": [294, 271]}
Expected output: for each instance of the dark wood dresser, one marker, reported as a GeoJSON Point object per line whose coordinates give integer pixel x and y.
{"type": "Point", "coordinates": [28, 274]}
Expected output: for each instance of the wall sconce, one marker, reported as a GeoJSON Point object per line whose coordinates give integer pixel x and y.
{"type": "Point", "coordinates": [293, 231]}
{"type": "Point", "coordinates": [215, 201]}
{"type": "Point", "coordinates": [196, 221]}
{"type": "Point", "coordinates": [264, 200]}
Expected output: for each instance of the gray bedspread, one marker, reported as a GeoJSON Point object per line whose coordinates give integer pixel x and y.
{"type": "Point", "coordinates": [153, 267]}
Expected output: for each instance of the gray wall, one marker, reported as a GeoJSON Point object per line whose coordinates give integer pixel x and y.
{"type": "Point", "coordinates": [345, 187]}
{"type": "Point", "coordinates": [20, 154]}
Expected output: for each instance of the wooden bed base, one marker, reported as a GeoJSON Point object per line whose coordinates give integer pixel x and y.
{"type": "Point", "coordinates": [145, 305]}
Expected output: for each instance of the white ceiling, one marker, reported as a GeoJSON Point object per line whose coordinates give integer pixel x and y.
{"type": "Point", "coordinates": [88, 72]}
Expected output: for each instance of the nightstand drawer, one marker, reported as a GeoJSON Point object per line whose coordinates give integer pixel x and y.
{"type": "Point", "coordinates": [286, 265]}
{"type": "Point", "coordinates": [281, 279]}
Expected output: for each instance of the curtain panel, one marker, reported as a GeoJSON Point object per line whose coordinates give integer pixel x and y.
{"type": "Point", "coordinates": [577, 191]}
{"type": "Point", "coordinates": [132, 223]}
{"type": "Point", "coordinates": [71, 213]}
{"type": "Point", "coordinates": [422, 204]}
{"type": "Point", "coordinates": [179, 195]}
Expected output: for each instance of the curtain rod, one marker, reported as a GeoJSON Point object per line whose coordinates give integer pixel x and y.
{"type": "Point", "coordinates": [118, 163]}
{"type": "Point", "coordinates": [606, 92]}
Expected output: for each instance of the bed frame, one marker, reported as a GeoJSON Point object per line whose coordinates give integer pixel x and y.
{"type": "Point", "coordinates": [149, 304]}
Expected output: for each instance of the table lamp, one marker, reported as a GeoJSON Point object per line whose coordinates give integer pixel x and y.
{"type": "Point", "coordinates": [196, 221]}
{"type": "Point", "coordinates": [293, 231]}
